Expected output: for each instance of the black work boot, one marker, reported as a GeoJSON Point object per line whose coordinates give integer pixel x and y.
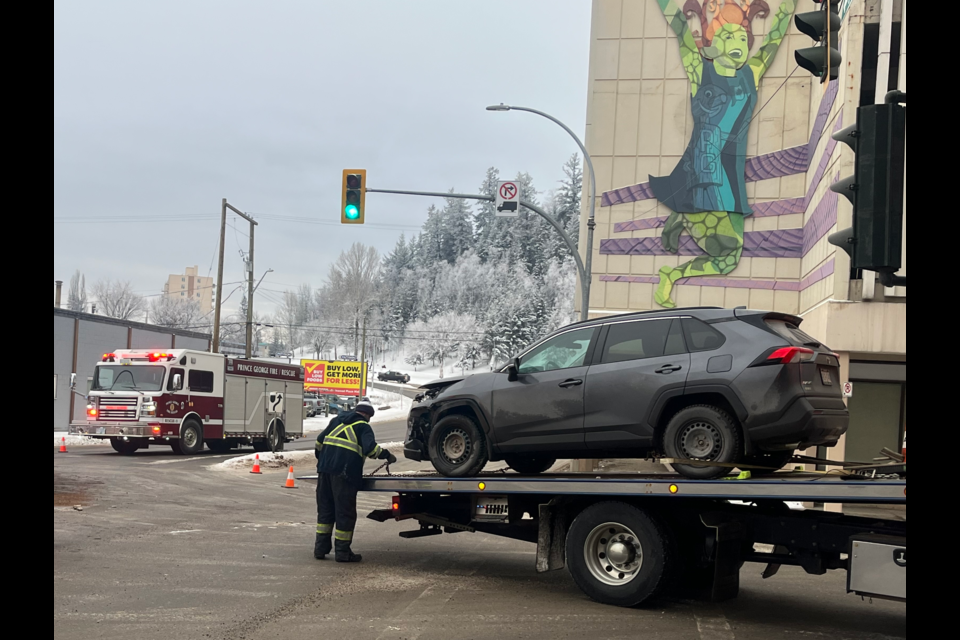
{"type": "Point", "coordinates": [322, 547]}
{"type": "Point", "coordinates": [344, 554]}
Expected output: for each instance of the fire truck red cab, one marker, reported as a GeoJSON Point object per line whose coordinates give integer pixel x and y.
{"type": "Point", "coordinates": [186, 399]}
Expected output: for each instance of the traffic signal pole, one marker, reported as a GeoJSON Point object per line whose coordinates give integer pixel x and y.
{"type": "Point", "coordinates": [571, 246]}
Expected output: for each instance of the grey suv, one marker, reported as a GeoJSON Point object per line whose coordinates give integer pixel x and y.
{"type": "Point", "coordinates": [705, 384]}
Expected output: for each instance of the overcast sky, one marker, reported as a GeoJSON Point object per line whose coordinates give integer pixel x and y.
{"type": "Point", "coordinates": [163, 108]}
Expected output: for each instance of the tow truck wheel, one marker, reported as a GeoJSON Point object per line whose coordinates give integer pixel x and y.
{"type": "Point", "coordinates": [530, 466]}
{"type": "Point", "coordinates": [123, 447]}
{"type": "Point", "coordinates": [457, 447]}
{"type": "Point", "coordinates": [617, 554]}
{"type": "Point", "coordinates": [191, 438]}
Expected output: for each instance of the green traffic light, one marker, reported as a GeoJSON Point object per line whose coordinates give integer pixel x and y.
{"type": "Point", "coordinates": [352, 212]}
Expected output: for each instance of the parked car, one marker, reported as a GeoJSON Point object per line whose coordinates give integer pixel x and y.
{"type": "Point", "coordinates": [704, 384]}
{"type": "Point", "coordinates": [313, 406]}
{"type": "Point", "coordinates": [393, 376]}
{"type": "Point", "coordinates": [338, 404]}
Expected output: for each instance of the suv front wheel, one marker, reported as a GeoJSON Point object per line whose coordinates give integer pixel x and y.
{"type": "Point", "coordinates": [702, 432]}
{"type": "Point", "coordinates": [457, 447]}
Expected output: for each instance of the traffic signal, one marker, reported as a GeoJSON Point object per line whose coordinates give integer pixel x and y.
{"type": "Point", "coordinates": [354, 196]}
{"type": "Point", "coordinates": [823, 26]}
{"type": "Point", "coordinates": [876, 189]}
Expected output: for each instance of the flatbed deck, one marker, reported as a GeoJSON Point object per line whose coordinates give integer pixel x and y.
{"type": "Point", "coordinates": [791, 487]}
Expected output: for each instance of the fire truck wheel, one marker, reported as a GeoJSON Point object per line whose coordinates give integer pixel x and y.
{"type": "Point", "coordinates": [191, 438]}
{"type": "Point", "coordinates": [123, 447]}
{"type": "Point", "coordinates": [275, 437]}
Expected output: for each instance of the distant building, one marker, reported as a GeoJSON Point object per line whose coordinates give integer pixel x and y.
{"type": "Point", "coordinates": [190, 286]}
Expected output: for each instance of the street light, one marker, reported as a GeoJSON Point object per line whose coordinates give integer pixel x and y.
{"type": "Point", "coordinates": [261, 279]}
{"type": "Point", "coordinates": [591, 222]}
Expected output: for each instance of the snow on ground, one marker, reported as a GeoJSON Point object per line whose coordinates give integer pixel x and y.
{"type": "Point", "coordinates": [75, 441]}
{"type": "Point", "coordinates": [285, 459]}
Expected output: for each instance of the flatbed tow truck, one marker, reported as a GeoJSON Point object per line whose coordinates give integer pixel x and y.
{"type": "Point", "coordinates": [626, 538]}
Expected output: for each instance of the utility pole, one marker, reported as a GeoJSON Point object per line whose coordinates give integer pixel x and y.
{"type": "Point", "coordinates": [219, 291]}
{"type": "Point", "coordinates": [56, 299]}
{"type": "Point", "coordinates": [363, 359]}
{"type": "Point", "coordinates": [224, 205]}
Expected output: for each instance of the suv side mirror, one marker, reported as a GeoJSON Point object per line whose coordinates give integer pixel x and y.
{"type": "Point", "coordinates": [513, 370]}
{"type": "Point", "coordinates": [177, 382]}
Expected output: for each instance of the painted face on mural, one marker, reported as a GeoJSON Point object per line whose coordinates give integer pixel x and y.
{"type": "Point", "coordinates": [730, 47]}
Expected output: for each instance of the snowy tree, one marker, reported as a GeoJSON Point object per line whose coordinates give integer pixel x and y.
{"type": "Point", "coordinates": [117, 299]}
{"type": "Point", "coordinates": [77, 293]}
{"type": "Point", "coordinates": [177, 314]}
{"type": "Point", "coordinates": [353, 281]}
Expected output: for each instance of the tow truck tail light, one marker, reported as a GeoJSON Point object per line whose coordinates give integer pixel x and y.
{"type": "Point", "coordinates": [791, 355]}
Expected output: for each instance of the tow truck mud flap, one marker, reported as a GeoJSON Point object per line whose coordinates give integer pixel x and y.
{"type": "Point", "coordinates": [727, 557]}
{"type": "Point", "coordinates": [878, 567]}
{"type": "Point", "coordinates": [552, 537]}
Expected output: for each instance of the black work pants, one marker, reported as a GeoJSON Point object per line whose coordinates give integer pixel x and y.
{"type": "Point", "coordinates": [336, 505]}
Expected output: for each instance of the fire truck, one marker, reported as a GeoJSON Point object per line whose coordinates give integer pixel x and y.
{"type": "Point", "coordinates": [185, 399]}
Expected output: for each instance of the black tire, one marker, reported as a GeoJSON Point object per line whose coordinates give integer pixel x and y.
{"type": "Point", "coordinates": [275, 437]}
{"type": "Point", "coordinates": [123, 447]}
{"type": "Point", "coordinates": [530, 466]}
{"type": "Point", "coordinates": [220, 446]}
{"type": "Point", "coordinates": [774, 460]}
{"type": "Point", "coordinates": [637, 538]}
{"type": "Point", "coordinates": [191, 438]}
{"type": "Point", "coordinates": [703, 432]}
{"type": "Point", "coordinates": [457, 447]}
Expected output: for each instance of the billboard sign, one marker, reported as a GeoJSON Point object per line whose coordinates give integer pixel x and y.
{"type": "Point", "coordinates": [343, 378]}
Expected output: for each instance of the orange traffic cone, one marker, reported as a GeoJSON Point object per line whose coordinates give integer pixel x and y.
{"type": "Point", "coordinates": [63, 445]}
{"type": "Point", "coordinates": [256, 465]}
{"type": "Point", "coordinates": [291, 484]}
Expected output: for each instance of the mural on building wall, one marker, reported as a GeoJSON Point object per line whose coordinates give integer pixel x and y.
{"type": "Point", "coordinates": [706, 192]}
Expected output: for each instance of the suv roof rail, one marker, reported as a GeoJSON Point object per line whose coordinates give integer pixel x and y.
{"type": "Point", "coordinates": [648, 312]}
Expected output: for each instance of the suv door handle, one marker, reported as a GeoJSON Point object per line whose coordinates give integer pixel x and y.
{"type": "Point", "coordinates": [669, 368]}
{"type": "Point", "coordinates": [572, 382]}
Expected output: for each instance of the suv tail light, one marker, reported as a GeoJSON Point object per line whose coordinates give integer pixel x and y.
{"type": "Point", "coordinates": [791, 355]}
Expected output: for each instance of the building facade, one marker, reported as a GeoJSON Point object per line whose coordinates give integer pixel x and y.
{"type": "Point", "coordinates": [190, 287]}
{"type": "Point", "coordinates": [714, 158]}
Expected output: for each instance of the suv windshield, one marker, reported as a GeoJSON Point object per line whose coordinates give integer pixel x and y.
{"type": "Point", "coordinates": [126, 378]}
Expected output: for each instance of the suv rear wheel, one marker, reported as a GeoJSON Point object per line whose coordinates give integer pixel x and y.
{"type": "Point", "coordinates": [530, 466]}
{"type": "Point", "coordinates": [457, 447]}
{"type": "Point", "coordinates": [702, 432]}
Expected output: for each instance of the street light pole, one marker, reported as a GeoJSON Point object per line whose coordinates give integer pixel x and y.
{"type": "Point", "coordinates": [591, 221]}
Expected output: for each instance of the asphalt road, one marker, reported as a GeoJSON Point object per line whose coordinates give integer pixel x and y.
{"type": "Point", "coordinates": [166, 546]}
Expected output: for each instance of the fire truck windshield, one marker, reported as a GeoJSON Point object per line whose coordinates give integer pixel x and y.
{"type": "Point", "coordinates": [128, 378]}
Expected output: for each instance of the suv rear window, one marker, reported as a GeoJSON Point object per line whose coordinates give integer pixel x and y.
{"type": "Point", "coordinates": [701, 336]}
{"type": "Point", "coordinates": [791, 333]}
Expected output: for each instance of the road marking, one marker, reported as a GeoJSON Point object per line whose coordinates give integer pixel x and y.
{"type": "Point", "coordinates": [714, 627]}
{"type": "Point", "coordinates": [176, 533]}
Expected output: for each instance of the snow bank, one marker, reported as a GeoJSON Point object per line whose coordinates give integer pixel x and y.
{"type": "Point", "coordinates": [268, 460]}
{"type": "Point", "coordinates": [75, 441]}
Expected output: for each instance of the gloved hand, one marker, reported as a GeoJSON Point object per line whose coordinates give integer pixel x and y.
{"type": "Point", "coordinates": [391, 459]}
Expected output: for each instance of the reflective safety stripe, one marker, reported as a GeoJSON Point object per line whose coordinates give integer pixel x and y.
{"type": "Point", "coordinates": [345, 437]}
{"type": "Point", "coordinates": [343, 536]}
{"type": "Point", "coordinates": [375, 453]}
{"type": "Point", "coordinates": [324, 529]}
